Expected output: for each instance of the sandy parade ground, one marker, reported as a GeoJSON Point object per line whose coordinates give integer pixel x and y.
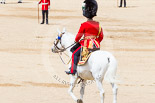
{"type": "Point", "coordinates": [31, 73]}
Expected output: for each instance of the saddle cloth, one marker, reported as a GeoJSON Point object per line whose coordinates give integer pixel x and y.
{"type": "Point", "coordinates": [83, 59]}
{"type": "Point", "coordinates": [86, 52]}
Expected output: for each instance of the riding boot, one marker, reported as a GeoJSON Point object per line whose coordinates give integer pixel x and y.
{"type": "Point", "coordinates": [69, 72]}
{"type": "Point", "coordinates": [75, 59]}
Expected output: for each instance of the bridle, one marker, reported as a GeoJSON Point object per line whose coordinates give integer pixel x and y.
{"type": "Point", "coordinates": [62, 49]}
{"type": "Point", "coordinates": [59, 40]}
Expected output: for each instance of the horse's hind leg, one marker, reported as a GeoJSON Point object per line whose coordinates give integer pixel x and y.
{"type": "Point", "coordinates": [100, 87]}
{"type": "Point", "coordinates": [114, 89]}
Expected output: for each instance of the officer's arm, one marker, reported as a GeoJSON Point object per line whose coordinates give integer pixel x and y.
{"type": "Point", "coordinates": [48, 2]}
{"type": "Point", "coordinates": [100, 38]}
{"type": "Point", "coordinates": [80, 33]}
{"type": "Point", "coordinates": [39, 1]}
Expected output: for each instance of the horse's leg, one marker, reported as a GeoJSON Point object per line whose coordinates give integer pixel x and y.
{"type": "Point", "coordinates": [100, 87]}
{"type": "Point", "coordinates": [114, 89]}
{"type": "Point", "coordinates": [73, 81]}
{"type": "Point", "coordinates": [82, 89]}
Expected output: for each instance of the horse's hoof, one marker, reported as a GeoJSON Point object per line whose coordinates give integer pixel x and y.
{"type": "Point", "coordinates": [79, 101]}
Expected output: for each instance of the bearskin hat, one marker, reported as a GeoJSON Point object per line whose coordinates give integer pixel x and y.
{"type": "Point", "coordinates": [89, 8]}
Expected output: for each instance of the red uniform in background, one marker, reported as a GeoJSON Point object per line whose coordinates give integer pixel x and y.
{"type": "Point", "coordinates": [45, 4]}
{"type": "Point", "coordinates": [45, 7]}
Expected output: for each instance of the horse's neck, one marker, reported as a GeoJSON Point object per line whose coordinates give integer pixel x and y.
{"type": "Point", "coordinates": [68, 40]}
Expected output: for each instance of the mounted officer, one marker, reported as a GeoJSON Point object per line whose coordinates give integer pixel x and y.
{"type": "Point", "coordinates": [90, 30]}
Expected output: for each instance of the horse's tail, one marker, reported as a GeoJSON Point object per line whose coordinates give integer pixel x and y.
{"type": "Point", "coordinates": [110, 75]}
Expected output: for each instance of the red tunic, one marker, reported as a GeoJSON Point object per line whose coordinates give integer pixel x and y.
{"type": "Point", "coordinates": [89, 28]}
{"type": "Point", "coordinates": [45, 4]}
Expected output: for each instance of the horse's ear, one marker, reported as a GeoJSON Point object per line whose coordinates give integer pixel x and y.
{"type": "Point", "coordinates": [58, 31]}
{"type": "Point", "coordinates": [64, 30]}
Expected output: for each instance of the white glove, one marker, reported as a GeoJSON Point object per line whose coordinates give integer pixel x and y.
{"type": "Point", "coordinates": [38, 3]}
{"type": "Point", "coordinates": [48, 7]}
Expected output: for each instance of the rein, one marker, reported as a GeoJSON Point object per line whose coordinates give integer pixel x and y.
{"type": "Point", "coordinates": [63, 60]}
{"type": "Point", "coordinates": [62, 50]}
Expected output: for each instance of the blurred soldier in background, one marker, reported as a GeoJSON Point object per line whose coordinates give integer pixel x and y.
{"type": "Point", "coordinates": [20, 1]}
{"type": "Point", "coordinates": [2, 1]}
{"type": "Point", "coordinates": [45, 7]}
{"type": "Point", "coordinates": [121, 1]}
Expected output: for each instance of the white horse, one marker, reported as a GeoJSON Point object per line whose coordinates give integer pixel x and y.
{"type": "Point", "coordinates": [100, 65]}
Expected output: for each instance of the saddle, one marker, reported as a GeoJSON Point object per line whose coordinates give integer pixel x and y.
{"type": "Point", "coordinates": [85, 54]}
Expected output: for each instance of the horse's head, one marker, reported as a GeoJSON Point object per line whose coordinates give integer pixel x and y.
{"type": "Point", "coordinates": [57, 45]}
